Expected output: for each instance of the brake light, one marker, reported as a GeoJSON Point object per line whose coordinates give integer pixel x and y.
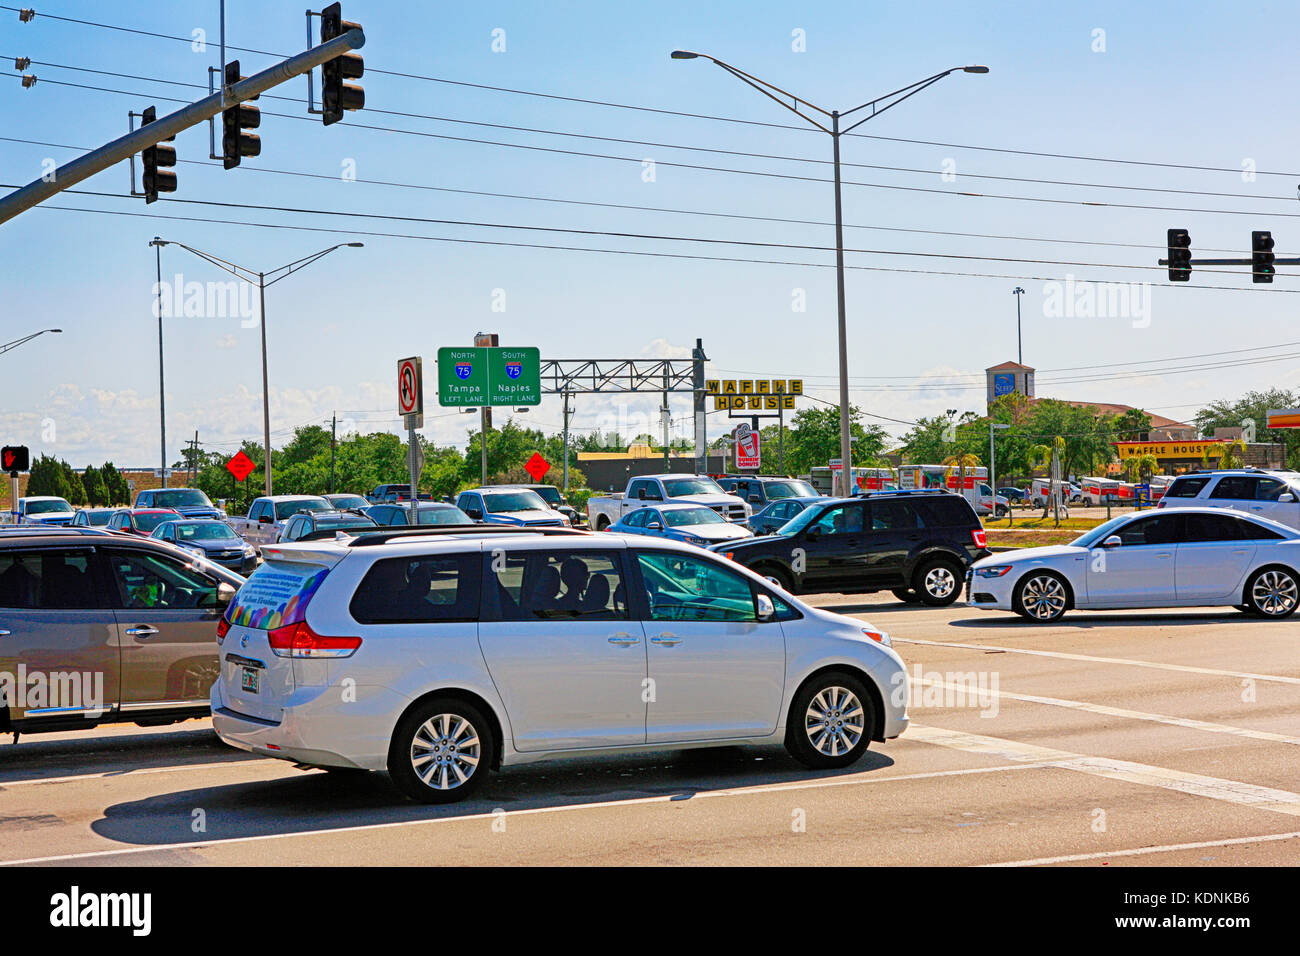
{"type": "Point", "coordinates": [299, 640]}
{"type": "Point", "coordinates": [980, 537]}
{"type": "Point", "coordinates": [223, 627]}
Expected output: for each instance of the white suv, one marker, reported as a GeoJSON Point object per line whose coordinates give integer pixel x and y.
{"type": "Point", "coordinates": [438, 654]}
{"type": "Point", "coordinates": [1263, 494]}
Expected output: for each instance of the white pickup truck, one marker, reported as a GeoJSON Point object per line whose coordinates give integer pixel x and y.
{"type": "Point", "coordinates": [657, 489]}
{"type": "Point", "coordinates": [266, 516]}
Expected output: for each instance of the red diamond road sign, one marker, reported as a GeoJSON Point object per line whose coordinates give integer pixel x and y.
{"type": "Point", "coordinates": [240, 465]}
{"type": "Point", "coordinates": [537, 466]}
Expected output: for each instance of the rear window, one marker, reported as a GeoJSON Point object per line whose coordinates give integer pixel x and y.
{"type": "Point", "coordinates": [1186, 487]}
{"type": "Point", "coordinates": [419, 590]}
{"type": "Point", "coordinates": [276, 594]}
{"type": "Point", "coordinates": [946, 511]}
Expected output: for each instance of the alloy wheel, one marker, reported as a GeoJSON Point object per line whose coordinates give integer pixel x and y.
{"type": "Point", "coordinates": [834, 721]}
{"type": "Point", "coordinates": [1275, 593]}
{"type": "Point", "coordinates": [1043, 597]}
{"type": "Point", "coordinates": [445, 751]}
{"type": "Point", "coordinates": [940, 581]}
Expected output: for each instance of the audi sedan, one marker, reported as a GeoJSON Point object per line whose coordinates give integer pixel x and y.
{"type": "Point", "coordinates": [1192, 557]}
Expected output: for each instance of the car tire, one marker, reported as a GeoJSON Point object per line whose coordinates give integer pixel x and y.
{"type": "Point", "coordinates": [1041, 596]}
{"type": "Point", "coordinates": [832, 721]}
{"type": "Point", "coordinates": [937, 582]}
{"type": "Point", "coordinates": [1273, 592]}
{"type": "Point", "coordinates": [602, 523]}
{"type": "Point", "coordinates": [446, 737]}
{"type": "Point", "coordinates": [906, 595]}
{"type": "Point", "coordinates": [778, 576]}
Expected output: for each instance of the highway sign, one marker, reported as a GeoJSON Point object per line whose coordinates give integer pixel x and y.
{"type": "Point", "coordinates": [537, 466]}
{"type": "Point", "coordinates": [473, 377]}
{"type": "Point", "coordinates": [240, 465]}
{"type": "Point", "coordinates": [410, 386]}
{"type": "Point", "coordinates": [15, 458]}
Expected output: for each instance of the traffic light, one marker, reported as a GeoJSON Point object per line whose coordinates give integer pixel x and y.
{"type": "Point", "coordinates": [235, 143]}
{"type": "Point", "coordinates": [15, 458]}
{"type": "Point", "coordinates": [337, 96]}
{"type": "Point", "coordinates": [1180, 255]}
{"type": "Point", "coordinates": [157, 180]}
{"type": "Point", "coordinates": [1261, 256]}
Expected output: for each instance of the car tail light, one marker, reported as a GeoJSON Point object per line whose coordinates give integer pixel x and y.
{"type": "Point", "coordinates": [299, 640]}
{"type": "Point", "coordinates": [223, 627]}
{"type": "Point", "coordinates": [980, 537]}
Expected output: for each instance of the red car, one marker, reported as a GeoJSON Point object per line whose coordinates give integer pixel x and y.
{"type": "Point", "coordinates": [140, 521]}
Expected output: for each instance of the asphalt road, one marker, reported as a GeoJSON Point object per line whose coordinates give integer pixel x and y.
{"type": "Point", "coordinates": [1159, 738]}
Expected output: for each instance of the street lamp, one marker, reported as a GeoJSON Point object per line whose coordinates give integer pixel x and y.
{"type": "Point", "coordinates": [9, 346]}
{"type": "Point", "coordinates": [775, 93]}
{"type": "Point", "coordinates": [261, 280]}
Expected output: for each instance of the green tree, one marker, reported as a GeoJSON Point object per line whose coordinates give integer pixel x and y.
{"type": "Point", "coordinates": [1254, 407]}
{"type": "Point", "coordinates": [115, 485]}
{"type": "Point", "coordinates": [92, 479]}
{"type": "Point", "coordinates": [47, 477]}
{"type": "Point", "coordinates": [814, 439]}
{"type": "Point", "coordinates": [72, 481]}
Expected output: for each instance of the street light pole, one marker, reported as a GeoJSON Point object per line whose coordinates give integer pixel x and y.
{"type": "Point", "coordinates": [260, 278]}
{"type": "Point", "coordinates": [1020, 350]}
{"type": "Point", "coordinates": [162, 392]}
{"type": "Point", "coordinates": [778, 95]}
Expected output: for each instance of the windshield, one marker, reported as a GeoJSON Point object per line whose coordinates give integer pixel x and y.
{"type": "Point", "coordinates": [1101, 532]}
{"type": "Point", "coordinates": [448, 515]}
{"type": "Point", "coordinates": [676, 487]}
{"type": "Point", "coordinates": [181, 498]}
{"type": "Point", "coordinates": [800, 521]}
{"type": "Point", "coordinates": [514, 501]}
{"type": "Point", "coordinates": [349, 501]}
{"type": "Point", "coordinates": [789, 489]}
{"type": "Point", "coordinates": [147, 522]}
{"type": "Point", "coordinates": [549, 494]}
{"type": "Point", "coordinates": [204, 531]}
{"type": "Point", "coordinates": [48, 507]}
{"type": "Point", "coordinates": [95, 518]}
{"type": "Point", "coordinates": [336, 522]}
{"type": "Point", "coordinates": [285, 508]}
{"type": "Point", "coordinates": [676, 517]}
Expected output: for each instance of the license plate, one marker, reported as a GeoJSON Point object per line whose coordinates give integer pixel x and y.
{"type": "Point", "coordinates": [248, 680]}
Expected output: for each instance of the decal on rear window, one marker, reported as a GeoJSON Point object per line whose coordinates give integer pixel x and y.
{"type": "Point", "coordinates": [276, 595]}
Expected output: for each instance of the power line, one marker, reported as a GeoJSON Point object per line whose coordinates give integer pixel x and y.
{"type": "Point", "coordinates": [707, 149]}
{"type": "Point", "coordinates": [713, 117]}
{"type": "Point", "coordinates": [728, 169]}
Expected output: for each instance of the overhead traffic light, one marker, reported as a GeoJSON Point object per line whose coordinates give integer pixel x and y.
{"type": "Point", "coordinates": [1180, 255]}
{"type": "Point", "coordinates": [157, 180]}
{"type": "Point", "coordinates": [1261, 256]}
{"type": "Point", "coordinates": [235, 143]}
{"type": "Point", "coordinates": [337, 96]}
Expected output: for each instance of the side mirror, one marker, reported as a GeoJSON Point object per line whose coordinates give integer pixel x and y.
{"type": "Point", "coordinates": [640, 493]}
{"type": "Point", "coordinates": [766, 609]}
{"type": "Point", "coordinates": [1112, 542]}
{"type": "Point", "coordinates": [812, 534]}
{"type": "Point", "coordinates": [655, 526]}
{"type": "Point", "coordinates": [474, 513]}
{"type": "Point", "coordinates": [756, 499]}
{"type": "Point", "coordinates": [225, 594]}
{"type": "Point", "coordinates": [1286, 496]}
{"type": "Point", "coordinates": [264, 519]}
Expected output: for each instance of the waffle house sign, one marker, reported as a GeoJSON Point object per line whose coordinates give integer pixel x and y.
{"type": "Point", "coordinates": [754, 395]}
{"type": "Point", "coordinates": [1169, 449]}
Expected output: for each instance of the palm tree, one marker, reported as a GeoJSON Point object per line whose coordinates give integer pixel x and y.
{"type": "Point", "coordinates": [960, 462]}
{"type": "Point", "coordinates": [1230, 457]}
{"type": "Point", "coordinates": [1141, 467]}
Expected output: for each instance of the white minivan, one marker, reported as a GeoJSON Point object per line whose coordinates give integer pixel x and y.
{"type": "Point", "coordinates": [440, 654]}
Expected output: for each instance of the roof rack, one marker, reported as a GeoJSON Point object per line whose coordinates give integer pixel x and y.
{"type": "Point", "coordinates": [367, 538]}
{"type": "Point", "coordinates": [35, 529]}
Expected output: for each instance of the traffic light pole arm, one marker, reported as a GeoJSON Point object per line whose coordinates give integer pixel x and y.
{"type": "Point", "coordinates": [83, 167]}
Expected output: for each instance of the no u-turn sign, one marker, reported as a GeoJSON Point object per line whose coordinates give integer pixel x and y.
{"type": "Point", "coordinates": [410, 387]}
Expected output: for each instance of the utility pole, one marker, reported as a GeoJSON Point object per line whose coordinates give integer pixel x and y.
{"type": "Point", "coordinates": [567, 412]}
{"type": "Point", "coordinates": [194, 460]}
{"type": "Point", "coordinates": [334, 424]}
{"type": "Point", "coordinates": [485, 422]}
{"type": "Point", "coordinates": [698, 358]}
{"type": "Point", "coordinates": [162, 394]}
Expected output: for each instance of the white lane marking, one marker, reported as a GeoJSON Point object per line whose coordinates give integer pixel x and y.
{"type": "Point", "coordinates": [127, 774]}
{"type": "Point", "coordinates": [1143, 850]}
{"type": "Point", "coordinates": [1195, 784]}
{"type": "Point", "coordinates": [1186, 668]}
{"type": "Point", "coordinates": [605, 804]}
{"type": "Point", "coordinates": [1187, 722]}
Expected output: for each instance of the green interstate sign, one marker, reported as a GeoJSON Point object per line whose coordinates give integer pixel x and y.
{"type": "Point", "coordinates": [489, 376]}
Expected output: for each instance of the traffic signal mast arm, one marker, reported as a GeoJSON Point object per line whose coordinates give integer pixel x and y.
{"type": "Point", "coordinates": [83, 167]}
{"type": "Point", "coordinates": [1262, 262]}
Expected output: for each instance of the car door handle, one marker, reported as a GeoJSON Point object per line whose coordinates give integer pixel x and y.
{"type": "Point", "coordinates": [141, 630]}
{"type": "Point", "coordinates": [623, 639]}
{"type": "Point", "coordinates": [666, 640]}
{"type": "Point", "coordinates": [1165, 554]}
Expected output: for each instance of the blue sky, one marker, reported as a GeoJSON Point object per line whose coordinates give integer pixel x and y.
{"type": "Point", "coordinates": [1176, 83]}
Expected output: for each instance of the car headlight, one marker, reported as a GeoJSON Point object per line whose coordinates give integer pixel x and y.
{"type": "Point", "coordinates": [249, 551]}
{"type": "Point", "coordinates": [996, 571]}
{"type": "Point", "coordinates": [194, 549]}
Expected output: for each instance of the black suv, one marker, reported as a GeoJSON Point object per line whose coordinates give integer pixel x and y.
{"type": "Point", "coordinates": [917, 544]}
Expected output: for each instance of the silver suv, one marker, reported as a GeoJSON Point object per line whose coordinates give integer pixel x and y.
{"type": "Point", "coordinates": [1264, 494]}
{"type": "Point", "coordinates": [97, 627]}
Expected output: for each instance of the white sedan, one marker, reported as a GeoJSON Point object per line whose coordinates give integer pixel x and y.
{"type": "Point", "coordinates": [1191, 557]}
